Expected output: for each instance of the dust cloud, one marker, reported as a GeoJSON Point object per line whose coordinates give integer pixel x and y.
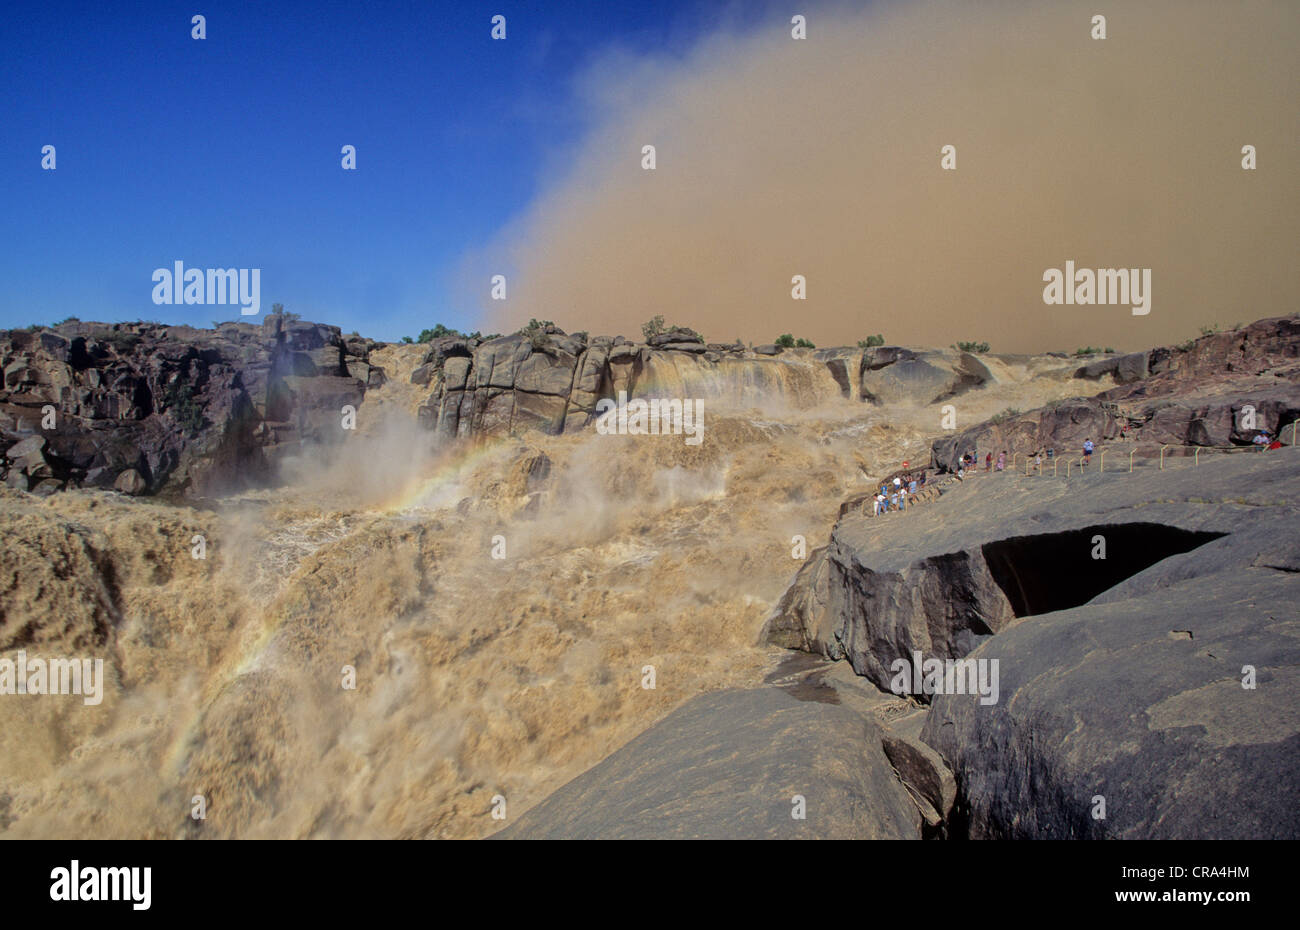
{"type": "Point", "coordinates": [821, 157]}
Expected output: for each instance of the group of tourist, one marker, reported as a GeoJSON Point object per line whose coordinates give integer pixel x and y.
{"type": "Point", "coordinates": [893, 496]}
{"type": "Point", "coordinates": [970, 462]}
{"type": "Point", "coordinates": [1265, 440]}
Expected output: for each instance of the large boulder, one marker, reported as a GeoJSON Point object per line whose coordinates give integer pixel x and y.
{"type": "Point", "coordinates": [896, 375]}
{"type": "Point", "coordinates": [676, 337]}
{"type": "Point", "coordinates": [728, 766]}
{"type": "Point", "coordinates": [1123, 369]}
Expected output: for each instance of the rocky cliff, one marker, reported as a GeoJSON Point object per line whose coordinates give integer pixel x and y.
{"type": "Point", "coordinates": [548, 380]}
{"type": "Point", "coordinates": [142, 406]}
{"type": "Point", "coordinates": [1193, 395]}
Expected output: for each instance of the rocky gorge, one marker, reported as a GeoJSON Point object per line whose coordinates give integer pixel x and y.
{"type": "Point", "coordinates": [521, 677]}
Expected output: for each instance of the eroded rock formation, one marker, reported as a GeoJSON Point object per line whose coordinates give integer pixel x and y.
{"type": "Point", "coordinates": [142, 406]}
{"type": "Point", "coordinates": [548, 380]}
{"type": "Point", "coordinates": [1194, 394]}
{"type": "Point", "coordinates": [1121, 676]}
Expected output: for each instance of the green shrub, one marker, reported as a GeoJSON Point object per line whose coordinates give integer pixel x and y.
{"type": "Point", "coordinates": [68, 319]}
{"type": "Point", "coordinates": [802, 343]}
{"type": "Point", "coordinates": [657, 327]}
{"type": "Point", "coordinates": [785, 341]}
{"type": "Point", "coordinates": [537, 335]}
{"type": "Point", "coordinates": [438, 331]}
{"type": "Point", "coordinates": [972, 346]}
{"type": "Point", "coordinates": [871, 342]}
{"type": "Point", "coordinates": [183, 407]}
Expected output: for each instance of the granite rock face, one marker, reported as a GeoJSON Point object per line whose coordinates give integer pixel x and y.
{"type": "Point", "coordinates": [728, 765]}
{"type": "Point", "coordinates": [546, 379]}
{"type": "Point", "coordinates": [551, 381]}
{"type": "Point", "coordinates": [894, 375]}
{"type": "Point", "coordinates": [1215, 391]}
{"type": "Point", "coordinates": [143, 407]}
{"type": "Point", "coordinates": [1120, 669]}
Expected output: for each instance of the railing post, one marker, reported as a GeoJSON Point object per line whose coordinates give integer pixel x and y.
{"type": "Point", "coordinates": [1132, 452]}
{"type": "Point", "coordinates": [1196, 456]}
{"type": "Point", "coordinates": [1054, 461]}
{"type": "Point", "coordinates": [1293, 425]}
{"type": "Point", "coordinates": [1162, 458]}
{"type": "Point", "coordinates": [1101, 462]}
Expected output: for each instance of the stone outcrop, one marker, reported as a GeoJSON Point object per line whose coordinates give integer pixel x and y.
{"type": "Point", "coordinates": [1122, 368]}
{"type": "Point", "coordinates": [728, 766]}
{"type": "Point", "coordinates": [1120, 677]}
{"type": "Point", "coordinates": [1193, 395]}
{"type": "Point", "coordinates": [544, 379]}
{"type": "Point", "coordinates": [893, 375]}
{"type": "Point", "coordinates": [141, 406]}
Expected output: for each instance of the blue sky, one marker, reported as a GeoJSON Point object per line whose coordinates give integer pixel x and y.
{"type": "Point", "coordinates": [226, 152]}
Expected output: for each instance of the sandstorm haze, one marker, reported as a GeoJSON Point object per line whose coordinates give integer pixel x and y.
{"type": "Point", "coordinates": [821, 157]}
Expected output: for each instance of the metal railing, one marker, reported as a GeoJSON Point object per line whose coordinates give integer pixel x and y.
{"type": "Point", "coordinates": [1157, 454]}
